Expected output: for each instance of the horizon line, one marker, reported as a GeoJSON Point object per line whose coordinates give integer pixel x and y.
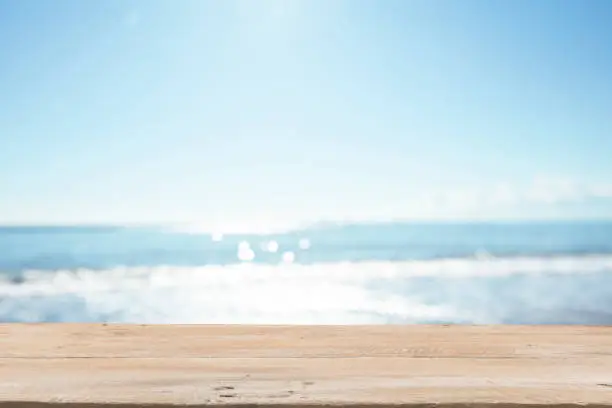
{"type": "Point", "coordinates": [306, 225]}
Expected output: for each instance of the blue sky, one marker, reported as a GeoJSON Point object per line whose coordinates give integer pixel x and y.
{"type": "Point", "coordinates": [279, 111]}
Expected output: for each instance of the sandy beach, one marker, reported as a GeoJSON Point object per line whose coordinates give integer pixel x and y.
{"type": "Point", "coordinates": [304, 365]}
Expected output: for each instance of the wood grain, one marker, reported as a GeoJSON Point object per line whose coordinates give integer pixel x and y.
{"type": "Point", "coordinates": [304, 365]}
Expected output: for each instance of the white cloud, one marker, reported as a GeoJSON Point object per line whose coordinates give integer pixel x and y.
{"type": "Point", "coordinates": [553, 190]}
{"type": "Point", "coordinates": [550, 190]}
{"type": "Point", "coordinates": [601, 190]}
{"type": "Point", "coordinates": [504, 198]}
{"type": "Point", "coordinates": [503, 194]}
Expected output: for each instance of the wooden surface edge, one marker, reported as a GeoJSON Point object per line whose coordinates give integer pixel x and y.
{"type": "Point", "coordinates": [37, 404]}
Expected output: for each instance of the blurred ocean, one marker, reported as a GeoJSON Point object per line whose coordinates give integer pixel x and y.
{"type": "Point", "coordinates": [532, 273]}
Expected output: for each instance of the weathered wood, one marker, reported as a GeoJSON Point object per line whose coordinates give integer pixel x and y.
{"type": "Point", "coordinates": [304, 365]}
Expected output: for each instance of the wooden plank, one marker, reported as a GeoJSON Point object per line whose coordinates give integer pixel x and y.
{"type": "Point", "coordinates": [305, 365]}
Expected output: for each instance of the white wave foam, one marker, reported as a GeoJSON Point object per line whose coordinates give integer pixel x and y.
{"type": "Point", "coordinates": [519, 290]}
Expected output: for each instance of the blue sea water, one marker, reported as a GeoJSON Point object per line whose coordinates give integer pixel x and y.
{"type": "Point", "coordinates": [517, 273]}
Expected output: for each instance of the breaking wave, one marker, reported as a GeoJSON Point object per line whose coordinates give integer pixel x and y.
{"type": "Point", "coordinates": [530, 290]}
